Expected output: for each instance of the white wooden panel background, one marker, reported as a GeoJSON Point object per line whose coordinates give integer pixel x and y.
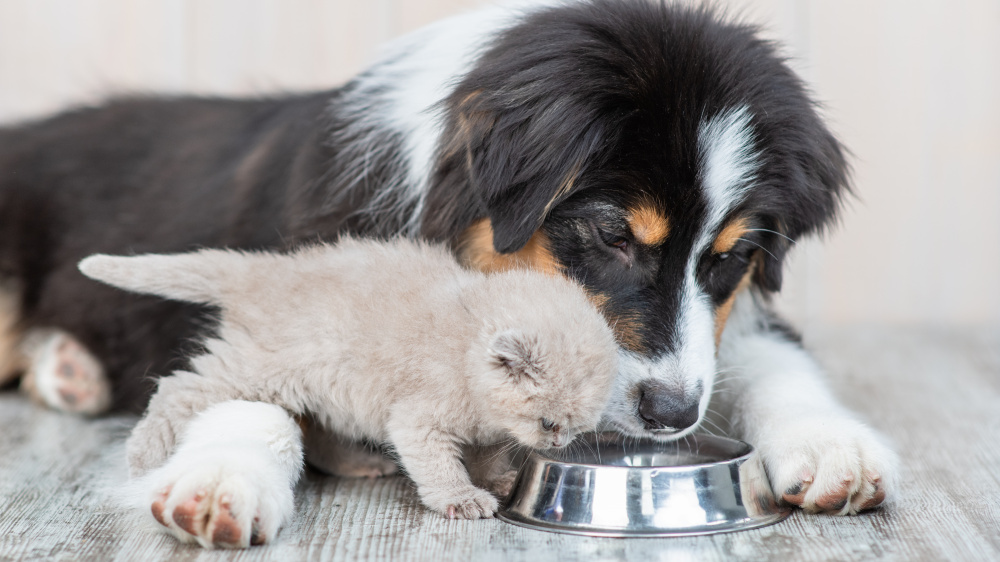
{"type": "Point", "coordinates": [912, 86]}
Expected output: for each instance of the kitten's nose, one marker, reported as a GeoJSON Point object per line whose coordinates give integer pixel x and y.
{"type": "Point", "coordinates": [661, 408]}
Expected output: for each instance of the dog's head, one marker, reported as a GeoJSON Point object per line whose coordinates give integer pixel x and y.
{"type": "Point", "coordinates": [660, 156]}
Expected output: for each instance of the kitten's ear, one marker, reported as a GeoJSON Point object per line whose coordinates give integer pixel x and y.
{"type": "Point", "coordinates": [517, 353]}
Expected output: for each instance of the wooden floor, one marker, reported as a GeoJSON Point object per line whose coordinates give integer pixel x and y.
{"type": "Point", "coordinates": [936, 393]}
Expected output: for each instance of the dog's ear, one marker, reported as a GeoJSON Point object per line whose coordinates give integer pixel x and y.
{"type": "Point", "coordinates": [770, 264]}
{"type": "Point", "coordinates": [520, 159]}
{"type": "Point", "coordinates": [804, 193]}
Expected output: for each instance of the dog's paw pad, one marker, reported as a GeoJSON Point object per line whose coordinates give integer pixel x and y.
{"type": "Point", "coordinates": [822, 470]}
{"type": "Point", "coordinates": [226, 530]}
{"type": "Point", "coordinates": [190, 514]}
{"type": "Point", "coordinates": [228, 498]}
{"type": "Point", "coordinates": [796, 493]}
{"type": "Point", "coordinates": [158, 506]}
{"type": "Point", "coordinates": [65, 376]}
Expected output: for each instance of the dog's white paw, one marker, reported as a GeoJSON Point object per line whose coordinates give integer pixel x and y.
{"type": "Point", "coordinates": [465, 503]}
{"type": "Point", "coordinates": [64, 375]}
{"type": "Point", "coordinates": [223, 496]}
{"type": "Point", "coordinates": [833, 465]}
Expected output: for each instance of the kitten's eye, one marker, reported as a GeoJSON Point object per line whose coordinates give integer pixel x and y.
{"type": "Point", "coordinates": [548, 424]}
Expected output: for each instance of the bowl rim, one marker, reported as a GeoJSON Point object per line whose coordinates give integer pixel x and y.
{"type": "Point", "coordinates": [674, 468]}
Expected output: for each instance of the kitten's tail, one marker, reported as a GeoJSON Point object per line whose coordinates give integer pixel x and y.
{"type": "Point", "coordinates": [199, 277]}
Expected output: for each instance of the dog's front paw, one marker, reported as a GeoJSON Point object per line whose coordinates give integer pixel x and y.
{"type": "Point", "coordinates": [230, 497]}
{"type": "Point", "coordinates": [465, 503]}
{"type": "Point", "coordinates": [830, 465]}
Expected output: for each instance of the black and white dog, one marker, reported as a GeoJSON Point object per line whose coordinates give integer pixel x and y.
{"type": "Point", "coordinates": [662, 156]}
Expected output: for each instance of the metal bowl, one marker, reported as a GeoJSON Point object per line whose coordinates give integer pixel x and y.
{"type": "Point", "coordinates": [614, 486]}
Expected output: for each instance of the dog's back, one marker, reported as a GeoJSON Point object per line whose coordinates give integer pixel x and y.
{"type": "Point", "coordinates": [148, 175]}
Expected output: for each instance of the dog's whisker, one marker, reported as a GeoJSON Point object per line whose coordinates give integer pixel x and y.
{"type": "Point", "coordinates": [761, 247]}
{"type": "Point", "coordinates": [772, 232]}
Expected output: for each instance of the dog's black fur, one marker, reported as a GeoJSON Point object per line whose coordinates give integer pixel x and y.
{"type": "Point", "coordinates": [607, 96]}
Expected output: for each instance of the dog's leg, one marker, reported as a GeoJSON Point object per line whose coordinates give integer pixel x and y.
{"type": "Point", "coordinates": [178, 399]}
{"type": "Point", "coordinates": [334, 454]}
{"type": "Point", "coordinates": [817, 454]}
{"type": "Point", "coordinates": [62, 374]}
{"type": "Point", "coordinates": [231, 481]}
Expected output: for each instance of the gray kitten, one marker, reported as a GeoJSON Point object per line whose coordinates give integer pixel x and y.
{"type": "Point", "coordinates": [391, 342]}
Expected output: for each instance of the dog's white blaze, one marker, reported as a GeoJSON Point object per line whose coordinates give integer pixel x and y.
{"type": "Point", "coordinates": [727, 160]}
{"type": "Point", "coordinates": [695, 343]}
{"type": "Point", "coordinates": [728, 166]}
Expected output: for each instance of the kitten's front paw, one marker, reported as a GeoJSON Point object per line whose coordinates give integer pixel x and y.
{"type": "Point", "coordinates": [467, 503]}
{"type": "Point", "coordinates": [832, 465]}
{"type": "Point", "coordinates": [230, 497]}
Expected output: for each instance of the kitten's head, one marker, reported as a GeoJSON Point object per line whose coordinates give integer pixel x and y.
{"type": "Point", "coordinates": [546, 384]}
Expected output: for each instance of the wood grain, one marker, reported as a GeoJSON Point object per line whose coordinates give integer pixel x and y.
{"type": "Point", "coordinates": [934, 392]}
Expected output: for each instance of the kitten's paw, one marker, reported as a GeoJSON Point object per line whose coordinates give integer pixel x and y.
{"type": "Point", "coordinates": [230, 497]}
{"type": "Point", "coordinates": [832, 465]}
{"type": "Point", "coordinates": [467, 503]}
{"type": "Point", "coordinates": [64, 375]}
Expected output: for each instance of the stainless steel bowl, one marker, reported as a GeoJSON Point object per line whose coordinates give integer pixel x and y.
{"type": "Point", "coordinates": [613, 486]}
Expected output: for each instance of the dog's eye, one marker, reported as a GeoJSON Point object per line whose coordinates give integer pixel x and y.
{"type": "Point", "coordinates": [614, 240]}
{"type": "Point", "coordinates": [548, 424]}
{"type": "Point", "coordinates": [723, 256]}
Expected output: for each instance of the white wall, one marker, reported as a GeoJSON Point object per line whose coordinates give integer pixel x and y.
{"type": "Point", "coordinates": [912, 87]}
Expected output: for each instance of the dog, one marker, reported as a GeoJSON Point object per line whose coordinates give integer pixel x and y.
{"type": "Point", "coordinates": [665, 157]}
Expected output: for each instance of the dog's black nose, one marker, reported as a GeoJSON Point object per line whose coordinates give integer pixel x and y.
{"type": "Point", "coordinates": [662, 408]}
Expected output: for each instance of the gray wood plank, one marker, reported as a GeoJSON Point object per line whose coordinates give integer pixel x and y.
{"type": "Point", "coordinates": [934, 392]}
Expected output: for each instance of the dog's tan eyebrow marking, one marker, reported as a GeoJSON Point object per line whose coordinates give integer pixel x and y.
{"type": "Point", "coordinates": [730, 235]}
{"type": "Point", "coordinates": [475, 250]}
{"type": "Point", "coordinates": [649, 225]}
{"type": "Point", "coordinates": [722, 311]}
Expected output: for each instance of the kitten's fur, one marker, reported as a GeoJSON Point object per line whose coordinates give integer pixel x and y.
{"type": "Point", "coordinates": [392, 342]}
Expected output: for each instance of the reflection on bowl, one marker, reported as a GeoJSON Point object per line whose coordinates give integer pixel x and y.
{"type": "Point", "coordinates": [609, 485]}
